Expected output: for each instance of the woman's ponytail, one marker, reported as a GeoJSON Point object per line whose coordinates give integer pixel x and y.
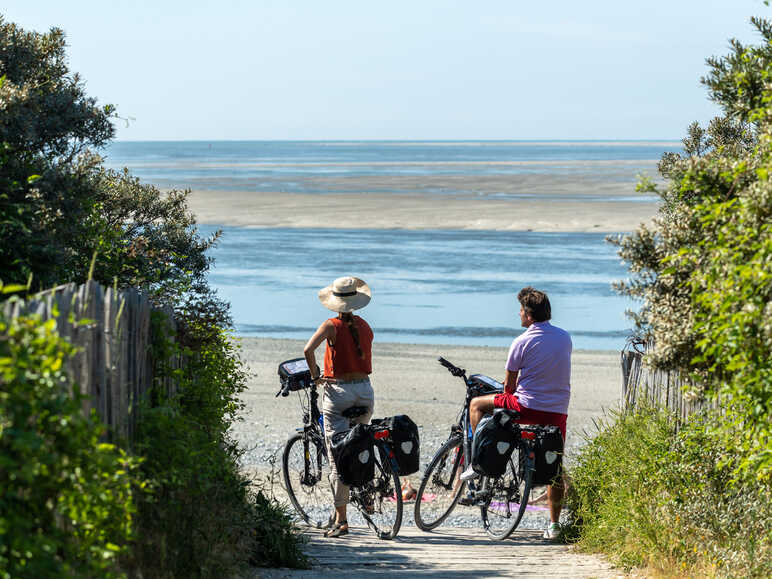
{"type": "Point", "coordinates": [348, 317]}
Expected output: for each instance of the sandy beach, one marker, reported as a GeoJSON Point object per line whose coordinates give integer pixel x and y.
{"type": "Point", "coordinates": [407, 380]}
{"type": "Point", "coordinates": [561, 212]}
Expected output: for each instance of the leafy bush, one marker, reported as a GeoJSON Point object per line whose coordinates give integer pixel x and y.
{"type": "Point", "coordinates": [67, 501]}
{"type": "Point", "coordinates": [59, 207]}
{"type": "Point", "coordinates": [650, 497]}
{"type": "Point", "coordinates": [201, 518]}
{"type": "Point", "coordinates": [704, 269]}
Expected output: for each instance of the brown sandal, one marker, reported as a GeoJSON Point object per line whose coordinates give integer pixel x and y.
{"type": "Point", "coordinates": [337, 530]}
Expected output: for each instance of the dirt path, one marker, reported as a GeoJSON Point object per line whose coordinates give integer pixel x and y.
{"type": "Point", "coordinates": [446, 553]}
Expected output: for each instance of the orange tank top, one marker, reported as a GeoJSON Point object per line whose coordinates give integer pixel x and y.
{"type": "Point", "coordinates": [342, 357]}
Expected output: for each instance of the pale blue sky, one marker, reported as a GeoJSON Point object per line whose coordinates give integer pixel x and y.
{"type": "Point", "coordinates": [302, 69]}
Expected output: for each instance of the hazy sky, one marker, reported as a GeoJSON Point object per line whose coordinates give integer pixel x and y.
{"type": "Point", "coordinates": [297, 69]}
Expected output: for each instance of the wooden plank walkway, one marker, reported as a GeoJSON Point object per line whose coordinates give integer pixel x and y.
{"type": "Point", "coordinates": [446, 553]}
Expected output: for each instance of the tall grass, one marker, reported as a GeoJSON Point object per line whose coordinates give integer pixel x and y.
{"type": "Point", "coordinates": [650, 497]}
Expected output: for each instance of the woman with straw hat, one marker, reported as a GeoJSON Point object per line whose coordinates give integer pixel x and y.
{"type": "Point", "coordinates": [347, 366]}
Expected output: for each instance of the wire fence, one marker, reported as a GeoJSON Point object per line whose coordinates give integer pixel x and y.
{"type": "Point", "coordinates": [111, 330]}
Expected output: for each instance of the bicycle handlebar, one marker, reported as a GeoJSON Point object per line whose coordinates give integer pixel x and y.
{"type": "Point", "coordinates": [455, 370]}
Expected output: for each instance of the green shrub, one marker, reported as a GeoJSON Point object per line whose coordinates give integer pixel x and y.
{"type": "Point", "coordinates": [201, 518]}
{"type": "Point", "coordinates": [66, 506]}
{"type": "Point", "coordinates": [59, 207]}
{"type": "Point", "coordinates": [647, 496]}
{"type": "Point", "coordinates": [704, 269]}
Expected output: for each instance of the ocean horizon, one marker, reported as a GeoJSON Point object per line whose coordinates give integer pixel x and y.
{"type": "Point", "coordinates": [429, 286]}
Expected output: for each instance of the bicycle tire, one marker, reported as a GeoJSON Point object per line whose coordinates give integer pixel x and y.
{"type": "Point", "coordinates": [380, 500]}
{"type": "Point", "coordinates": [507, 499]}
{"type": "Point", "coordinates": [307, 482]}
{"type": "Point", "coordinates": [439, 480]}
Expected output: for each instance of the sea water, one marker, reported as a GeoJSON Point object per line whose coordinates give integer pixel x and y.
{"type": "Point", "coordinates": [442, 287]}
{"type": "Point", "coordinates": [455, 287]}
{"type": "Point", "coordinates": [468, 168]}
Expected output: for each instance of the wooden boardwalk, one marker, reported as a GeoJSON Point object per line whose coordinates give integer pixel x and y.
{"type": "Point", "coordinates": [446, 553]}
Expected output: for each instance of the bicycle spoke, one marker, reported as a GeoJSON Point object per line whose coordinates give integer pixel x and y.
{"type": "Point", "coordinates": [306, 480]}
{"type": "Point", "coordinates": [440, 486]}
{"type": "Point", "coordinates": [379, 502]}
{"type": "Point", "coordinates": [506, 498]}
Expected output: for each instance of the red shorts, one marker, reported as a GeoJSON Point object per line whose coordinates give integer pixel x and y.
{"type": "Point", "coordinates": [529, 416]}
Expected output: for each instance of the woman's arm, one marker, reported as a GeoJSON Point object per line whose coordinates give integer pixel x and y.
{"type": "Point", "coordinates": [326, 331]}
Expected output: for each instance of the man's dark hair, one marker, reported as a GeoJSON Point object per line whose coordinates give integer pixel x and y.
{"type": "Point", "coordinates": [535, 303]}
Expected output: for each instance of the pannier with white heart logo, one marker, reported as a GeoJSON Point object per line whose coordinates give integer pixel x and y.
{"type": "Point", "coordinates": [548, 448]}
{"type": "Point", "coordinates": [404, 441]}
{"type": "Point", "coordinates": [352, 452]}
{"type": "Point", "coordinates": [492, 445]}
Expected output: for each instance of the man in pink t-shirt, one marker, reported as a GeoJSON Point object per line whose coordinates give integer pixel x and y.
{"type": "Point", "coordinates": [537, 382]}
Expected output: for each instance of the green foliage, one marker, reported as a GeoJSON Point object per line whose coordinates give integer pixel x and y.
{"type": "Point", "coordinates": [219, 523]}
{"type": "Point", "coordinates": [703, 270]}
{"type": "Point", "coordinates": [650, 497]}
{"type": "Point", "coordinates": [59, 206]}
{"type": "Point", "coordinates": [45, 108]}
{"type": "Point", "coordinates": [67, 501]}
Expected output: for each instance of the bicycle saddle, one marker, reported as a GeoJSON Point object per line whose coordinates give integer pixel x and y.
{"type": "Point", "coordinates": [354, 411]}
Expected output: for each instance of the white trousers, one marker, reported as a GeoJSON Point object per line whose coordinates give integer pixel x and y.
{"type": "Point", "coordinates": [338, 397]}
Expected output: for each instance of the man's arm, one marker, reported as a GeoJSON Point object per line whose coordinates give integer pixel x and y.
{"type": "Point", "coordinates": [510, 381]}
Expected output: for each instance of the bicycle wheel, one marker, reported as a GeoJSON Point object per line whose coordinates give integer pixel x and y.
{"type": "Point", "coordinates": [380, 500]}
{"type": "Point", "coordinates": [306, 479]}
{"type": "Point", "coordinates": [440, 487]}
{"type": "Point", "coordinates": [506, 498]}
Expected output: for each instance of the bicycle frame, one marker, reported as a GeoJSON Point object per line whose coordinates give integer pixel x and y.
{"type": "Point", "coordinates": [487, 492]}
{"type": "Point", "coordinates": [464, 423]}
{"type": "Point", "coordinates": [311, 437]}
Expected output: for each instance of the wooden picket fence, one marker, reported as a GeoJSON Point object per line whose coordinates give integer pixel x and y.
{"type": "Point", "coordinates": [113, 364]}
{"type": "Point", "coordinates": [642, 385]}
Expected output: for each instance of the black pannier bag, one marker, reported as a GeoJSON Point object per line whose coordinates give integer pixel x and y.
{"type": "Point", "coordinates": [548, 448]}
{"type": "Point", "coordinates": [492, 445]}
{"type": "Point", "coordinates": [294, 374]}
{"type": "Point", "coordinates": [352, 451]}
{"type": "Point", "coordinates": [404, 440]}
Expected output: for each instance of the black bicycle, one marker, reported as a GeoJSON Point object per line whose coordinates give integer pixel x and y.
{"type": "Point", "coordinates": [306, 466]}
{"type": "Point", "coordinates": [502, 499]}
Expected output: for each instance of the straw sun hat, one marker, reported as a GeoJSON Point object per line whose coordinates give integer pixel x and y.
{"type": "Point", "coordinates": [345, 294]}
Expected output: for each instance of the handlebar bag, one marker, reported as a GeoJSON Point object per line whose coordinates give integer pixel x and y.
{"type": "Point", "coordinates": [548, 448]}
{"type": "Point", "coordinates": [492, 446]}
{"type": "Point", "coordinates": [485, 385]}
{"type": "Point", "coordinates": [404, 440]}
{"type": "Point", "coordinates": [352, 452]}
{"type": "Point", "coordinates": [294, 374]}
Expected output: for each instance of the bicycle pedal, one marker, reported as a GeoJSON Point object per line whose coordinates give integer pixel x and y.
{"type": "Point", "coordinates": [471, 500]}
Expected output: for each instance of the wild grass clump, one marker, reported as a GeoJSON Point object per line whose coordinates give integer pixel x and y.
{"type": "Point", "coordinates": [650, 497]}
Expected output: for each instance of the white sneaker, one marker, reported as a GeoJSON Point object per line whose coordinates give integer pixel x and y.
{"type": "Point", "coordinates": [468, 474]}
{"type": "Point", "coordinates": [552, 532]}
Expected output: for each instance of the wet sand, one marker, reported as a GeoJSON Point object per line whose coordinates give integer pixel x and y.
{"type": "Point", "coordinates": [585, 200]}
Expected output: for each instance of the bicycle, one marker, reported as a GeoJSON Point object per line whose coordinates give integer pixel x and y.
{"type": "Point", "coordinates": [502, 499]}
{"type": "Point", "coordinates": [306, 470]}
